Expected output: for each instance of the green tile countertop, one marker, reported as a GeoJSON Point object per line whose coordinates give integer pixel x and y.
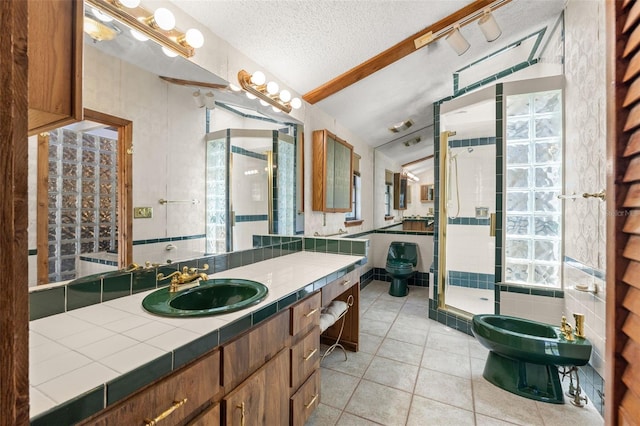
{"type": "Point", "coordinates": [88, 358]}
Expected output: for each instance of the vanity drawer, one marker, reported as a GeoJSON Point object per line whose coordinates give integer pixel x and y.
{"type": "Point", "coordinates": [246, 354]}
{"type": "Point", "coordinates": [305, 314]}
{"type": "Point", "coordinates": [339, 286]}
{"type": "Point", "coordinates": [305, 357]}
{"type": "Point", "coordinates": [305, 400]}
{"type": "Point", "coordinates": [177, 397]}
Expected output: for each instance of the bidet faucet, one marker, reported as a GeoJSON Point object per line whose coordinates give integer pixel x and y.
{"type": "Point", "coordinates": [188, 275]}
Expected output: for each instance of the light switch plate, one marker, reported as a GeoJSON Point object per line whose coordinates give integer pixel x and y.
{"type": "Point", "coordinates": [142, 212]}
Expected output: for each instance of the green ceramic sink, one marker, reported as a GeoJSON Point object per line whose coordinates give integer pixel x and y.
{"type": "Point", "coordinates": [212, 297]}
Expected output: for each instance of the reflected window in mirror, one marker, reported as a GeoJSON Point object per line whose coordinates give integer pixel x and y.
{"type": "Point", "coordinates": [355, 215]}
{"type": "Point", "coordinates": [387, 199]}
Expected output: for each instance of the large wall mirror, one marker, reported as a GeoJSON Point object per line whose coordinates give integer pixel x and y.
{"type": "Point", "coordinates": [170, 192]}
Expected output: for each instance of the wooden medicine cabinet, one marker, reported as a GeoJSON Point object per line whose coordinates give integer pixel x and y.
{"type": "Point", "coordinates": [332, 173]}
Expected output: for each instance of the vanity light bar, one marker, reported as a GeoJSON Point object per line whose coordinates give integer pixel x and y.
{"type": "Point", "coordinates": [141, 20]}
{"type": "Point", "coordinates": [260, 91]}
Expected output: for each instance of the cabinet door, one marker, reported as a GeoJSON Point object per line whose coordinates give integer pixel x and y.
{"type": "Point", "coordinates": [330, 159]}
{"type": "Point", "coordinates": [55, 75]}
{"type": "Point", "coordinates": [263, 398]}
{"type": "Point", "coordinates": [342, 176]}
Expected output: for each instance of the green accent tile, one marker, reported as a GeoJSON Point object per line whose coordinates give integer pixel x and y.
{"type": "Point", "coordinates": [83, 294]}
{"type": "Point", "coordinates": [266, 240]}
{"type": "Point", "coordinates": [73, 411]}
{"type": "Point", "coordinates": [230, 331]}
{"type": "Point", "coordinates": [264, 313]}
{"type": "Point", "coordinates": [220, 263]}
{"type": "Point", "coordinates": [247, 257]}
{"type": "Point", "coordinates": [516, 289]}
{"type": "Point", "coordinates": [114, 287]}
{"type": "Point", "coordinates": [143, 280]}
{"type": "Point", "coordinates": [286, 301]}
{"type": "Point", "coordinates": [541, 292]}
{"type": "Point", "coordinates": [276, 251]}
{"type": "Point", "coordinates": [317, 285]}
{"type": "Point", "coordinates": [267, 253]}
{"type": "Point", "coordinates": [194, 349]}
{"type": "Point", "coordinates": [209, 260]}
{"type": "Point", "coordinates": [332, 277]}
{"type": "Point", "coordinates": [235, 260]}
{"type": "Point", "coordinates": [332, 246]}
{"type": "Point", "coordinates": [321, 245]}
{"type": "Point", "coordinates": [341, 273]}
{"type": "Point", "coordinates": [258, 255]}
{"type": "Point", "coordinates": [309, 244]}
{"type": "Point", "coordinates": [359, 248]}
{"type": "Point", "coordinates": [130, 382]}
{"type": "Point", "coordinates": [44, 303]}
{"type": "Point", "coordinates": [304, 292]}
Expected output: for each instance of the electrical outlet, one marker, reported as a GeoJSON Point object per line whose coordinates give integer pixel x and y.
{"type": "Point", "coordinates": [142, 212]}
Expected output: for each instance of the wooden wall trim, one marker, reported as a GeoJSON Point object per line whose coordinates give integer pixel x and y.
{"type": "Point", "coordinates": [14, 315]}
{"type": "Point", "coordinates": [42, 210]}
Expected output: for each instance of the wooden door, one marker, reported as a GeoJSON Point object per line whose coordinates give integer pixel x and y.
{"type": "Point", "coordinates": [622, 382]}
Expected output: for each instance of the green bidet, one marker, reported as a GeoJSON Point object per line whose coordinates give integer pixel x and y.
{"type": "Point", "coordinates": [524, 355]}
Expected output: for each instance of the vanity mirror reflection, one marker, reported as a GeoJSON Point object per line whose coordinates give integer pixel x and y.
{"type": "Point", "coordinates": [168, 154]}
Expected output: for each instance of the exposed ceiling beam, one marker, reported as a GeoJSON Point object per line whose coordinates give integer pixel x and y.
{"type": "Point", "coordinates": [419, 160]}
{"type": "Point", "coordinates": [398, 51]}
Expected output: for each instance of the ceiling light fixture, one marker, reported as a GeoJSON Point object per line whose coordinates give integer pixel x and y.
{"type": "Point", "coordinates": [457, 41]}
{"type": "Point", "coordinates": [159, 26]}
{"type": "Point", "coordinates": [489, 26]}
{"type": "Point", "coordinates": [99, 31]}
{"type": "Point", "coordinates": [401, 126]}
{"type": "Point", "coordinates": [412, 142]}
{"type": "Point", "coordinates": [256, 85]}
{"type": "Point", "coordinates": [198, 99]}
{"type": "Point", "coordinates": [412, 176]}
{"type": "Point", "coordinates": [209, 100]}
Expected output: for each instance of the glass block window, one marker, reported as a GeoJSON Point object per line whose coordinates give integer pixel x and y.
{"type": "Point", "coordinates": [533, 181]}
{"type": "Point", "coordinates": [82, 198]}
{"type": "Point", "coordinates": [285, 173]}
{"type": "Point", "coordinates": [216, 193]}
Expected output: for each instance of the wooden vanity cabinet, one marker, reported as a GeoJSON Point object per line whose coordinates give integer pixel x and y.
{"type": "Point", "coordinates": [332, 173]}
{"type": "Point", "coordinates": [341, 289]}
{"type": "Point", "coordinates": [262, 399]}
{"type": "Point", "coordinates": [55, 44]}
{"type": "Point", "coordinates": [180, 396]}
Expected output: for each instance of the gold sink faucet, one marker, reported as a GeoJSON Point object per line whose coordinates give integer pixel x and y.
{"type": "Point", "coordinates": [187, 275]}
{"type": "Point", "coordinates": [566, 329]}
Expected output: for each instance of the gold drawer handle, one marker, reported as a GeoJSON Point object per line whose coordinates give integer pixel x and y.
{"type": "Point", "coordinates": [312, 401]}
{"type": "Point", "coordinates": [311, 313]}
{"type": "Point", "coordinates": [313, 352]}
{"type": "Point", "coordinates": [241, 407]}
{"type": "Point", "coordinates": [346, 282]}
{"type": "Point", "coordinates": [166, 413]}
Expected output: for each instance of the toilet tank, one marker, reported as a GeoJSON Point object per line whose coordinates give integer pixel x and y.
{"type": "Point", "coordinates": [403, 250]}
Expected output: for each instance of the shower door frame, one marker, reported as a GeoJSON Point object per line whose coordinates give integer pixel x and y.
{"type": "Point", "coordinates": [442, 195]}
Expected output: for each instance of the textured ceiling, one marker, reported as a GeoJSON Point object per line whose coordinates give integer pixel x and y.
{"type": "Point", "coordinates": [307, 43]}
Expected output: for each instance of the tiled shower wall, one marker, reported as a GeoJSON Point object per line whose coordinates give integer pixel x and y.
{"type": "Point", "coordinates": [585, 97]}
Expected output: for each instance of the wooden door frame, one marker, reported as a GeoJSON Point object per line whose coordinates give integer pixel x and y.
{"type": "Point", "coordinates": [14, 315]}
{"type": "Point", "coordinates": [124, 192]}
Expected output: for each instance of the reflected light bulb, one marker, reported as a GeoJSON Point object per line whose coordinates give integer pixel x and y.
{"type": "Point", "coordinates": [296, 103]}
{"type": "Point", "coordinates": [275, 109]}
{"type": "Point", "coordinates": [194, 38]}
{"type": "Point", "coordinates": [164, 19]}
{"type": "Point", "coordinates": [264, 103]}
{"type": "Point", "coordinates": [258, 78]}
{"type": "Point", "coordinates": [272, 87]}
{"type": "Point", "coordinates": [138, 35]}
{"type": "Point", "coordinates": [131, 4]}
{"type": "Point", "coordinates": [170, 53]}
{"type": "Point", "coordinates": [234, 87]}
{"type": "Point", "coordinates": [285, 96]}
{"type": "Point", "coordinates": [101, 16]}
{"type": "Point", "coordinates": [250, 95]}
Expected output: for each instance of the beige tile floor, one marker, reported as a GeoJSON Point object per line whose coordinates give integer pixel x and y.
{"type": "Point", "coordinates": [413, 371]}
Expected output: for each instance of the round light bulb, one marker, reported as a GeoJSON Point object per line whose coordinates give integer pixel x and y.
{"type": "Point", "coordinates": [250, 95]}
{"type": "Point", "coordinates": [170, 53]}
{"type": "Point", "coordinates": [164, 19]}
{"type": "Point", "coordinates": [138, 35]}
{"type": "Point", "coordinates": [264, 103]}
{"type": "Point", "coordinates": [194, 38]}
{"type": "Point", "coordinates": [234, 87]}
{"type": "Point", "coordinates": [272, 87]}
{"type": "Point", "coordinates": [296, 103]}
{"type": "Point", "coordinates": [258, 78]}
{"type": "Point", "coordinates": [275, 109]}
{"type": "Point", "coordinates": [131, 4]}
{"type": "Point", "coordinates": [100, 15]}
{"type": "Point", "coordinates": [285, 95]}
